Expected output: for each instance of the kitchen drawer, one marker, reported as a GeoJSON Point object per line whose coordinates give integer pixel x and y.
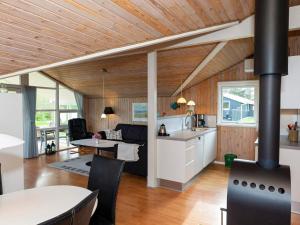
{"type": "Point", "coordinates": [190, 142]}
{"type": "Point", "coordinates": [189, 154]}
{"type": "Point", "coordinates": [189, 170]}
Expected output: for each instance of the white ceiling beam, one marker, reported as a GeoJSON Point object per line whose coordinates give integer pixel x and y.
{"type": "Point", "coordinates": [201, 66]}
{"type": "Point", "coordinates": [105, 53]}
{"type": "Point", "coordinates": [245, 29]}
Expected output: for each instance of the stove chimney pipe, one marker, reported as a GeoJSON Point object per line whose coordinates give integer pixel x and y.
{"type": "Point", "coordinates": [270, 62]}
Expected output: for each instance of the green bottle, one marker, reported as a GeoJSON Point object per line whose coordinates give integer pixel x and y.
{"type": "Point", "coordinates": [48, 149]}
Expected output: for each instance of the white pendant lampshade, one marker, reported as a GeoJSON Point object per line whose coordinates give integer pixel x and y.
{"type": "Point", "coordinates": [7, 141]}
{"type": "Point", "coordinates": [103, 116]}
{"type": "Point", "coordinates": [181, 100]}
{"type": "Point", "coordinates": [191, 103]}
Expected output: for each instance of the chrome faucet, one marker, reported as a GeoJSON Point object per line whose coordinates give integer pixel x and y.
{"type": "Point", "coordinates": [188, 121]}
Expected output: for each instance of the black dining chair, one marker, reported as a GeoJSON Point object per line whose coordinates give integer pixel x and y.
{"type": "Point", "coordinates": [1, 188]}
{"type": "Point", "coordinates": [78, 215]}
{"type": "Point", "coordinates": [105, 176]}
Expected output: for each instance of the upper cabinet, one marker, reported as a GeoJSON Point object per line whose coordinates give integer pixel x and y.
{"type": "Point", "coordinates": [290, 86]}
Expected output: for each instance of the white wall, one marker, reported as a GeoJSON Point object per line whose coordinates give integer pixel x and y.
{"type": "Point", "coordinates": [11, 159]}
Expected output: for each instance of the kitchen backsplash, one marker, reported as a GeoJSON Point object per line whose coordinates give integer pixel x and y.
{"type": "Point", "coordinates": [175, 123]}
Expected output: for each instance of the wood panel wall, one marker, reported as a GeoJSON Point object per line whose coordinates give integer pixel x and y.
{"type": "Point", "coordinates": [205, 93]}
{"type": "Point", "coordinates": [123, 111]}
{"type": "Point", "coordinates": [230, 139]}
{"type": "Point", "coordinates": [237, 140]}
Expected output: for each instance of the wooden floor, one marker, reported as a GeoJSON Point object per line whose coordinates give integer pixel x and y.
{"type": "Point", "coordinates": [137, 204]}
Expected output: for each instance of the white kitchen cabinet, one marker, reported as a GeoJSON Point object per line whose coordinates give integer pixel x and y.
{"type": "Point", "coordinates": [199, 154]}
{"type": "Point", "coordinates": [291, 157]}
{"type": "Point", "coordinates": [210, 148]}
{"type": "Point", "coordinates": [180, 160]}
{"type": "Point", "coordinates": [290, 90]}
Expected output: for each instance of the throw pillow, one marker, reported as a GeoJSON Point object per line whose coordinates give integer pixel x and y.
{"type": "Point", "coordinates": [114, 134]}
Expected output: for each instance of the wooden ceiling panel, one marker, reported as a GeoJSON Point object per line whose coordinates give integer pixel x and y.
{"type": "Point", "coordinates": [35, 33]}
{"type": "Point", "coordinates": [54, 30]}
{"type": "Point", "coordinates": [233, 53]}
{"type": "Point", "coordinates": [127, 75]}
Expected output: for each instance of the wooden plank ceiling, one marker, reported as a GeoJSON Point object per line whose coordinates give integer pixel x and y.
{"type": "Point", "coordinates": [35, 32]}
{"type": "Point", "coordinates": [127, 76]}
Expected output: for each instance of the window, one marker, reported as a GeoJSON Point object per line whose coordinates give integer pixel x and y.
{"type": "Point", "coordinates": [37, 79]}
{"type": "Point", "coordinates": [237, 103]}
{"type": "Point", "coordinates": [66, 116]}
{"type": "Point", "coordinates": [45, 119]}
{"type": "Point", "coordinates": [66, 99]}
{"type": "Point", "coordinates": [45, 99]}
{"type": "Point", "coordinates": [55, 106]}
{"type": "Point", "coordinates": [11, 80]}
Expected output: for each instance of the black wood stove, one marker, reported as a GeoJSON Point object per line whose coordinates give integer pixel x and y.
{"type": "Point", "coordinates": [259, 193]}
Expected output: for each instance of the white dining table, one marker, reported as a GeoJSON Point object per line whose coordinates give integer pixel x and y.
{"type": "Point", "coordinates": [33, 206]}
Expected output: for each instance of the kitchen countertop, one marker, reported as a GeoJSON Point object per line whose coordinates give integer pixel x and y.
{"type": "Point", "coordinates": [285, 143]}
{"type": "Point", "coordinates": [185, 135]}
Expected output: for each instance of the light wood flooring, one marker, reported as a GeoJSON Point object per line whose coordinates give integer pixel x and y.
{"type": "Point", "coordinates": [137, 204]}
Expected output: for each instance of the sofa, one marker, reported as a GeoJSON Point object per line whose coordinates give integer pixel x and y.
{"type": "Point", "coordinates": [135, 134]}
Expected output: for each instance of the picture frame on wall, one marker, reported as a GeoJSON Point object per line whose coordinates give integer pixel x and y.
{"type": "Point", "coordinates": [139, 112]}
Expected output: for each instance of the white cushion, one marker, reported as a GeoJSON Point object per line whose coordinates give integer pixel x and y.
{"type": "Point", "coordinates": [114, 134]}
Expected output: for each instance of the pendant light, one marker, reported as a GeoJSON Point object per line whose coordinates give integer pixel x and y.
{"type": "Point", "coordinates": [181, 100]}
{"type": "Point", "coordinates": [103, 115]}
{"type": "Point", "coordinates": [191, 103]}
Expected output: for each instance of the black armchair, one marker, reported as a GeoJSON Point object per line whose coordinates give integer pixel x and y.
{"type": "Point", "coordinates": [77, 129]}
{"type": "Point", "coordinates": [105, 176]}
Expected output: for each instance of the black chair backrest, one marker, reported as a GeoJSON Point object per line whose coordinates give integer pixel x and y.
{"type": "Point", "coordinates": [105, 176]}
{"type": "Point", "coordinates": [1, 188]}
{"type": "Point", "coordinates": [63, 219]}
{"type": "Point", "coordinates": [77, 129]}
{"type": "Point", "coordinates": [83, 210]}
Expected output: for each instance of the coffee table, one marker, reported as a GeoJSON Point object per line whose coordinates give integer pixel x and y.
{"type": "Point", "coordinates": [100, 145]}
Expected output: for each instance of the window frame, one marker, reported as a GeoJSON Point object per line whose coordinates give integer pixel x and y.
{"type": "Point", "coordinates": [233, 84]}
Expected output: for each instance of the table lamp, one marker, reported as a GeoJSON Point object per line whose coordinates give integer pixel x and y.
{"type": "Point", "coordinates": [108, 111]}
